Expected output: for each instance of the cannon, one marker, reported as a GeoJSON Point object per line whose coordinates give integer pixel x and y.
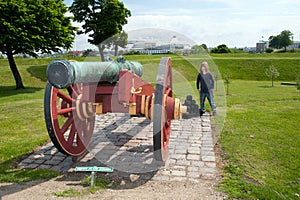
{"type": "Point", "coordinates": [77, 91]}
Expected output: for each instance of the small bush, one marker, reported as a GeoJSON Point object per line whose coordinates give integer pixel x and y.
{"type": "Point", "coordinates": [133, 52]}
{"type": "Point", "coordinates": [269, 50]}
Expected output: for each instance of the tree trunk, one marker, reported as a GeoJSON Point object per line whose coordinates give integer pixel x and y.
{"type": "Point", "coordinates": [101, 51]}
{"type": "Point", "coordinates": [14, 70]}
{"type": "Point", "coordinates": [227, 89]}
{"type": "Point", "coordinates": [116, 50]}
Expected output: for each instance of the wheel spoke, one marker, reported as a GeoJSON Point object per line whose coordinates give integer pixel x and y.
{"type": "Point", "coordinates": [168, 91]}
{"type": "Point", "coordinates": [65, 97]}
{"type": "Point", "coordinates": [65, 111]}
{"type": "Point", "coordinates": [66, 125]}
{"type": "Point", "coordinates": [71, 135]}
{"type": "Point", "coordinates": [72, 91]}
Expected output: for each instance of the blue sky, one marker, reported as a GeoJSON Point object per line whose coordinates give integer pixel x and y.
{"type": "Point", "coordinates": [237, 23]}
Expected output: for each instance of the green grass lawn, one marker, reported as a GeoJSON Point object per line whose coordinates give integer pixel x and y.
{"type": "Point", "coordinates": [261, 139]}
{"type": "Point", "coordinates": [21, 119]}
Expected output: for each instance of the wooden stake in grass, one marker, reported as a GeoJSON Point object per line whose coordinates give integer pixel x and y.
{"type": "Point", "coordinates": [227, 81]}
{"type": "Point", "coordinates": [216, 81]}
{"type": "Point", "coordinates": [298, 82]}
{"type": "Point", "coordinates": [272, 73]}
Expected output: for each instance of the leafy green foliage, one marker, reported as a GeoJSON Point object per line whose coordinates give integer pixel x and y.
{"type": "Point", "coordinates": [30, 26]}
{"type": "Point", "coordinates": [269, 50]}
{"type": "Point", "coordinates": [227, 81]}
{"type": "Point", "coordinates": [272, 73]}
{"type": "Point", "coordinates": [281, 40]}
{"type": "Point", "coordinates": [101, 19]}
{"type": "Point", "coordinates": [99, 184]}
{"type": "Point", "coordinates": [196, 49]}
{"type": "Point", "coordinates": [221, 49]}
{"type": "Point", "coordinates": [86, 52]}
{"type": "Point", "coordinates": [119, 40]}
{"type": "Point", "coordinates": [68, 193]}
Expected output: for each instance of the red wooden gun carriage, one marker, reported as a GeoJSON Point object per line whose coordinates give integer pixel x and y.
{"type": "Point", "coordinates": [77, 91]}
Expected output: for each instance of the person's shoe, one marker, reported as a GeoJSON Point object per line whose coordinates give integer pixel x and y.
{"type": "Point", "coordinates": [201, 112]}
{"type": "Point", "coordinates": [214, 113]}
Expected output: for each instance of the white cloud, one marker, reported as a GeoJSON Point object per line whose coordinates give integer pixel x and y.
{"type": "Point", "coordinates": [233, 22]}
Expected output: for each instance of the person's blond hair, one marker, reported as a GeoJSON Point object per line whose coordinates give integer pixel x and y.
{"type": "Point", "coordinates": [205, 65]}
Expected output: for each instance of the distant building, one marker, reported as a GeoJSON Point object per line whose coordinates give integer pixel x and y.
{"type": "Point", "coordinates": [147, 46]}
{"type": "Point", "coordinates": [249, 49]}
{"type": "Point", "coordinates": [295, 45]}
{"type": "Point", "coordinates": [261, 46]}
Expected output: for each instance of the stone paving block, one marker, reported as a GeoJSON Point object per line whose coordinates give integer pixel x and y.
{"type": "Point", "coordinates": [39, 161]}
{"type": "Point", "coordinates": [183, 162]}
{"type": "Point", "coordinates": [178, 179]}
{"type": "Point", "coordinates": [28, 161]}
{"type": "Point", "coordinates": [208, 170]}
{"type": "Point", "coordinates": [208, 158]}
{"type": "Point", "coordinates": [32, 166]}
{"type": "Point", "coordinates": [194, 150]}
{"type": "Point", "coordinates": [193, 175]}
{"type": "Point", "coordinates": [178, 173]}
{"type": "Point", "coordinates": [193, 169]}
{"type": "Point", "coordinates": [178, 156]}
{"type": "Point", "coordinates": [178, 168]}
{"type": "Point", "coordinates": [193, 157]}
{"type": "Point", "coordinates": [43, 166]}
{"type": "Point", "coordinates": [52, 162]}
{"type": "Point", "coordinates": [197, 163]}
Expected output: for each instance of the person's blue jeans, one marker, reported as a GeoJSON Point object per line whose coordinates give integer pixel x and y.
{"type": "Point", "coordinates": [210, 97]}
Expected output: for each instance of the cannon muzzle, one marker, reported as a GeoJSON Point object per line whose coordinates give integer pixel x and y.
{"type": "Point", "coordinates": [62, 73]}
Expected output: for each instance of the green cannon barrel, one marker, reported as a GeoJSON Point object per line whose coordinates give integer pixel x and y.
{"type": "Point", "coordinates": [62, 73]}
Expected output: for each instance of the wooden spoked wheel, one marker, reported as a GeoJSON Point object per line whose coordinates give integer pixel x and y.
{"type": "Point", "coordinates": [161, 124]}
{"type": "Point", "coordinates": [68, 130]}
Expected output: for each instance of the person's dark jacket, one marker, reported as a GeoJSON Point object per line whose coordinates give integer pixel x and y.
{"type": "Point", "coordinates": [205, 82]}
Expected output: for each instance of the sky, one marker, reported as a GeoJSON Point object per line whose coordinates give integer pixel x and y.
{"type": "Point", "coordinates": [236, 23]}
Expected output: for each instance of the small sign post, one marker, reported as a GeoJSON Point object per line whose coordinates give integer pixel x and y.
{"type": "Point", "coordinates": [93, 170]}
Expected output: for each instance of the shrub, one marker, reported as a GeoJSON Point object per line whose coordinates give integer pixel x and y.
{"type": "Point", "coordinates": [269, 50]}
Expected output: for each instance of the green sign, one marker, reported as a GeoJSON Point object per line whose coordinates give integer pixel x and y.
{"type": "Point", "coordinates": [94, 169]}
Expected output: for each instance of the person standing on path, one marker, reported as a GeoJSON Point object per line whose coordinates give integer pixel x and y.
{"type": "Point", "coordinates": [205, 85]}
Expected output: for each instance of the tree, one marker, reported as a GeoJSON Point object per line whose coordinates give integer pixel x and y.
{"type": "Point", "coordinates": [87, 52]}
{"type": "Point", "coordinates": [199, 48]}
{"type": "Point", "coordinates": [272, 73]}
{"type": "Point", "coordinates": [204, 46]}
{"type": "Point", "coordinates": [285, 38]}
{"type": "Point", "coordinates": [281, 40]}
{"type": "Point", "coordinates": [101, 19]}
{"type": "Point", "coordinates": [30, 26]}
{"type": "Point", "coordinates": [119, 40]}
{"type": "Point", "coordinates": [274, 41]}
{"type": "Point", "coordinates": [221, 49]}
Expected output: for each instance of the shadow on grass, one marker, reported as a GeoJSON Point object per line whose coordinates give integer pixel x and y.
{"type": "Point", "coordinates": [6, 91]}
{"type": "Point", "coordinates": [267, 86]}
{"type": "Point", "coordinates": [38, 72]}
